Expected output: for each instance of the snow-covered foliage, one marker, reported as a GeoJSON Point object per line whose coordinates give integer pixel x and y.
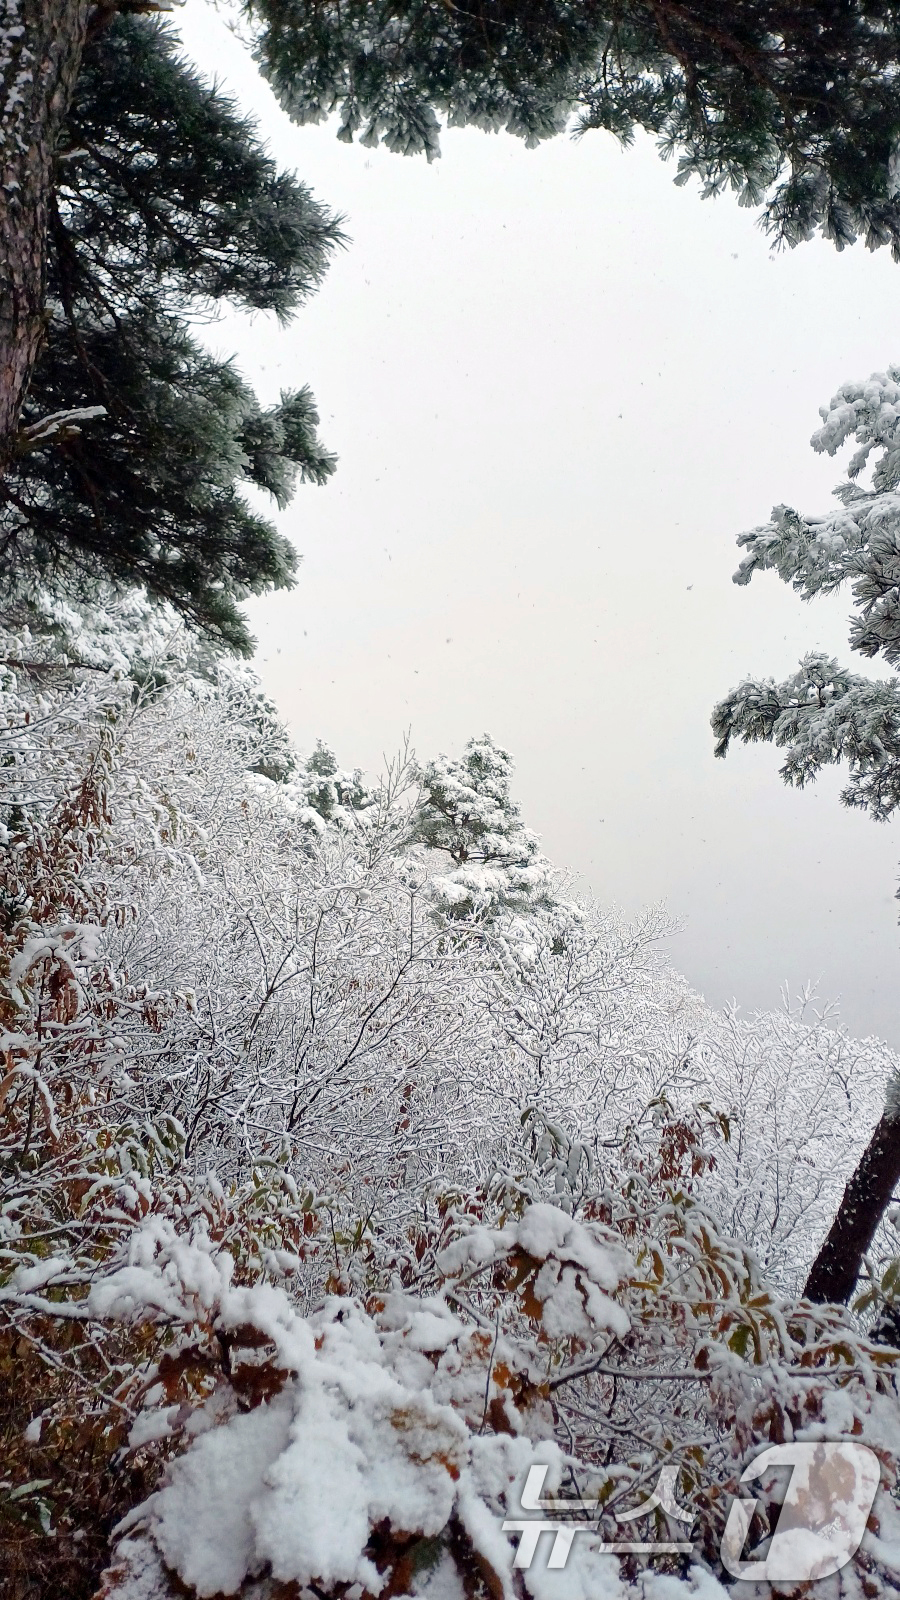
{"type": "Point", "coordinates": [381, 1446]}
{"type": "Point", "coordinates": [468, 813]}
{"type": "Point", "coordinates": [319, 1227]}
{"type": "Point", "coordinates": [825, 714]}
{"type": "Point", "coordinates": [860, 542]}
{"type": "Point", "coordinates": [820, 715]}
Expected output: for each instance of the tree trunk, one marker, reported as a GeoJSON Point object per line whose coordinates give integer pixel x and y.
{"type": "Point", "coordinates": [41, 42]}
{"type": "Point", "coordinates": [836, 1268]}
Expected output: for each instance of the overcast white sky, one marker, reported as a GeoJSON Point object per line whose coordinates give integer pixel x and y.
{"type": "Point", "coordinates": [559, 387]}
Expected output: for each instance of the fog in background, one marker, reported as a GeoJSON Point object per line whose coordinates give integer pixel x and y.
{"type": "Point", "coordinates": [559, 387]}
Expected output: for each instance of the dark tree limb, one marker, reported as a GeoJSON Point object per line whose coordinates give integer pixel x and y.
{"type": "Point", "coordinates": [836, 1268]}
{"type": "Point", "coordinates": [41, 55]}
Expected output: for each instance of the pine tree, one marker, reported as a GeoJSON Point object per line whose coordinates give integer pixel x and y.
{"type": "Point", "coordinates": [334, 795]}
{"type": "Point", "coordinates": [824, 715]}
{"type": "Point", "coordinates": [797, 107]}
{"type": "Point", "coordinates": [466, 812]}
{"type": "Point", "coordinates": [133, 437]}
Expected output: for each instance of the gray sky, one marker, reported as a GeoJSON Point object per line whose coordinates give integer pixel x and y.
{"type": "Point", "coordinates": [559, 387]}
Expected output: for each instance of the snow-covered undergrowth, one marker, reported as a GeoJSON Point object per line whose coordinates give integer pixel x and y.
{"type": "Point", "coordinates": [328, 1210]}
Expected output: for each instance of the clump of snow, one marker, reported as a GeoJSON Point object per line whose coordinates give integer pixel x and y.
{"type": "Point", "coordinates": [579, 1264]}
{"type": "Point", "coordinates": [344, 1447]}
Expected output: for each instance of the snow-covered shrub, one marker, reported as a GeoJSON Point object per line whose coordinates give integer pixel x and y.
{"type": "Point", "coordinates": [378, 1445]}
{"type": "Point", "coordinates": [82, 1165]}
{"type": "Point", "coordinates": [252, 1097]}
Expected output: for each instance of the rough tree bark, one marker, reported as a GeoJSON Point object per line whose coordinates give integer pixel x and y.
{"type": "Point", "coordinates": [41, 42]}
{"type": "Point", "coordinates": [836, 1268]}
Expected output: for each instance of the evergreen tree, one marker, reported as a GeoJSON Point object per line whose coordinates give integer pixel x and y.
{"type": "Point", "coordinates": [824, 715]}
{"type": "Point", "coordinates": [332, 794]}
{"type": "Point", "coordinates": [133, 437]}
{"type": "Point", "coordinates": [466, 811]}
{"type": "Point", "coordinates": [797, 107]}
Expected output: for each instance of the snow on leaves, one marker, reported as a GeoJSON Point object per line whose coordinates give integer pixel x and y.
{"type": "Point", "coordinates": [299, 1192]}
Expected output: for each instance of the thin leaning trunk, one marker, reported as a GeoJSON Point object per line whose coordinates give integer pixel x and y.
{"type": "Point", "coordinates": [41, 43]}
{"type": "Point", "coordinates": [867, 1196]}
